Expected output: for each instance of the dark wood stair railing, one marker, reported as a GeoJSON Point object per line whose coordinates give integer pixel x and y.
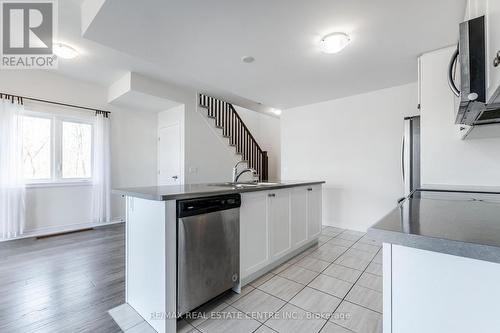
{"type": "Point", "coordinates": [238, 134]}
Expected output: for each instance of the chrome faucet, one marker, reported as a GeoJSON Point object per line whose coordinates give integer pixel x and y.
{"type": "Point", "coordinates": [237, 175]}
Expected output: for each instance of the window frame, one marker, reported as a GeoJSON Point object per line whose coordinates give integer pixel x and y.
{"type": "Point", "coordinates": [56, 129]}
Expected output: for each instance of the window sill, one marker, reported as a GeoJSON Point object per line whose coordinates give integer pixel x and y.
{"type": "Point", "coordinates": [60, 184]}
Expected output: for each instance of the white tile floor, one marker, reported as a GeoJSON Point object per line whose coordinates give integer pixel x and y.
{"type": "Point", "coordinates": [335, 287]}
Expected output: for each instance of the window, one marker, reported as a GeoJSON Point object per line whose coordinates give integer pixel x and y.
{"type": "Point", "coordinates": [37, 148]}
{"type": "Point", "coordinates": [56, 149]}
{"type": "Point", "coordinates": [76, 150]}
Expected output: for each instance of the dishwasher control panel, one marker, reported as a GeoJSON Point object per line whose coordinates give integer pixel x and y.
{"type": "Point", "coordinates": [191, 207]}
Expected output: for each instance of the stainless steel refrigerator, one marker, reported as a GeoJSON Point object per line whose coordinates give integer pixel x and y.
{"type": "Point", "coordinates": [410, 154]}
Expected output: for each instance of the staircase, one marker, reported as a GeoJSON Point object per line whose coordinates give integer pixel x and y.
{"type": "Point", "coordinates": [234, 129]}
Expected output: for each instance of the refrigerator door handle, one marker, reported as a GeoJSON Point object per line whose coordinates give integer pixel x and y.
{"type": "Point", "coordinates": [403, 159]}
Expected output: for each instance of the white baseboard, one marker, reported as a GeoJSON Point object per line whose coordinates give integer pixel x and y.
{"type": "Point", "coordinates": [349, 226]}
{"type": "Point", "coordinates": [64, 228]}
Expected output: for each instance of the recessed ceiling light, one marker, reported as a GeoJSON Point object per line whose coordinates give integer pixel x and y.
{"type": "Point", "coordinates": [248, 59]}
{"type": "Point", "coordinates": [65, 51]}
{"type": "Point", "coordinates": [334, 42]}
{"type": "Point", "coordinates": [276, 112]}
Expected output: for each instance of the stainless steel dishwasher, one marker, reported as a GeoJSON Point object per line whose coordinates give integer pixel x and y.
{"type": "Point", "coordinates": [208, 248]}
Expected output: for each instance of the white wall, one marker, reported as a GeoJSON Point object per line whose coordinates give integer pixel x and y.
{"type": "Point", "coordinates": [133, 150]}
{"type": "Point", "coordinates": [446, 159]}
{"type": "Point", "coordinates": [207, 155]}
{"type": "Point", "coordinates": [209, 158]}
{"type": "Point", "coordinates": [266, 129]}
{"type": "Point", "coordinates": [354, 144]}
{"type": "Point", "coordinates": [202, 151]}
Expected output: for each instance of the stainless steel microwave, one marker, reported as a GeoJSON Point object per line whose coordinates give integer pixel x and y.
{"type": "Point", "coordinates": [470, 58]}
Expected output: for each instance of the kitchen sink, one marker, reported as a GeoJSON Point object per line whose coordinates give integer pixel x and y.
{"type": "Point", "coordinates": [243, 185]}
{"type": "Point", "coordinates": [237, 185]}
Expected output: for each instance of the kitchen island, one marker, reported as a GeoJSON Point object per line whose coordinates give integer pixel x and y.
{"type": "Point", "coordinates": [441, 262]}
{"type": "Point", "coordinates": [276, 221]}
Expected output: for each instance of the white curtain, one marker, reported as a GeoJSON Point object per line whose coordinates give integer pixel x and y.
{"type": "Point", "coordinates": [12, 192]}
{"type": "Point", "coordinates": [101, 169]}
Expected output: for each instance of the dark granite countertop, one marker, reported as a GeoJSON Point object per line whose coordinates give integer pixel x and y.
{"type": "Point", "coordinates": [465, 224]}
{"type": "Point", "coordinates": [188, 191]}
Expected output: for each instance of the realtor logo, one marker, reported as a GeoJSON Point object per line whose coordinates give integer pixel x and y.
{"type": "Point", "coordinates": [28, 30]}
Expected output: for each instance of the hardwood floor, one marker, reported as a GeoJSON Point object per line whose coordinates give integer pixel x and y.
{"type": "Point", "coordinates": [65, 283]}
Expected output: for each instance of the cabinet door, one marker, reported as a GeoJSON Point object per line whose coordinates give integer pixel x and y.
{"type": "Point", "coordinates": [279, 222]}
{"type": "Point", "coordinates": [493, 47]}
{"type": "Point", "coordinates": [313, 211]}
{"type": "Point", "coordinates": [254, 232]}
{"type": "Point", "coordinates": [298, 216]}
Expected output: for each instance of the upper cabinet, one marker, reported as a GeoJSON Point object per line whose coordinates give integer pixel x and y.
{"type": "Point", "coordinates": [493, 50]}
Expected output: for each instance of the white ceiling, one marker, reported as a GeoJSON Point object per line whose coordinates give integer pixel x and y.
{"type": "Point", "coordinates": [199, 44]}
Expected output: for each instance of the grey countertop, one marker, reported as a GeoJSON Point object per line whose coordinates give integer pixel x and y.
{"type": "Point", "coordinates": [176, 192]}
{"type": "Point", "coordinates": [465, 224]}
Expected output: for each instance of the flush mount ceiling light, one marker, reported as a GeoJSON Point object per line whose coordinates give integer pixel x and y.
{"type": "Point", "coordinates": [248, 59]}
{"type": "Point", "coordinates": [334, 42]}
{"type": "Point", "coordinates": [65, 51]}
{"type": "Point", "coordinates": [276, 112]}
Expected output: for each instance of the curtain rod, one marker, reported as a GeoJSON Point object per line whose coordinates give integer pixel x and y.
{"type": "Point", "coordinates": [56, 103]}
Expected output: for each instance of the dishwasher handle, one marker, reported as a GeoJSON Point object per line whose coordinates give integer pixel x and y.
{"type": "Point", "coordinates": [198, 206]}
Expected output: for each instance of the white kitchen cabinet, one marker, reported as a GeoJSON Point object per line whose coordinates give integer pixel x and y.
{"type": "Point", "coordinates": [436, 286]}
{"type": "Point", "coordinates": [279, 222]}
{"type": "Point", "coordinates": [493, 48]}
{"type": "Point", "coordinates": [313, 211]}
{"type": "Point", "coordinates": [254, 232]}
{"type": "Point", "coordinates": [274, 224]}
{"type": "Point", "coordinates": [298, 215]}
